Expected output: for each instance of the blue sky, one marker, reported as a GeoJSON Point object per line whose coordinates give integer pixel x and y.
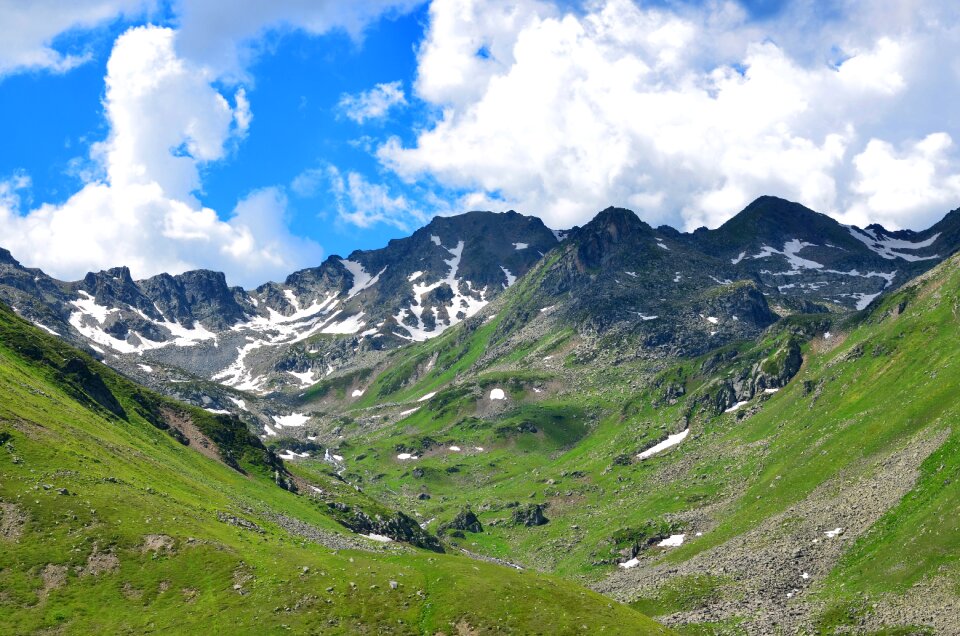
{"type": "Point", "coordinates": [257, 138]}
{"type": "Point", "coordinates": [50, 120]}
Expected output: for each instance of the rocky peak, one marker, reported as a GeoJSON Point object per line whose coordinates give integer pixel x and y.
{"type": "Point", "coordinates": [115, 287]}
{"type": "Point", "coordinates": [599, 240]}
{"type": "Point", "coordinates": [196, 295]}
{"type": "Point", "coordinates": [771, 221]}
{"type": "Point", "coordinates": [6, 258]}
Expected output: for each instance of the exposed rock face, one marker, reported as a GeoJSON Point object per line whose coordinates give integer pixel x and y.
{"type": "Point", "coordinates": [465, 521]}
{"type": "Point", "coordinates": [530, 515]}
{"type": "Point", "coordinates": [199, 295]}
{"type": "Point", "coordinates": [398, 527]}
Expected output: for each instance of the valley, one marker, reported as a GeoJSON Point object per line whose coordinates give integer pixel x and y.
{"type": "Point", "coordinates": [490, 425]}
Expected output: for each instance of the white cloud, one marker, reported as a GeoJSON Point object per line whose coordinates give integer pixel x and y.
{"type": "Point", "coordinates": [364, 204]}
{"type": "Point", "coordinates": [27, 30]}
{"type": "Point", "coordinates": [683, 114]}
{"type": "Point", "coordinates": [919, 183]}
{"type": "Point", "coordinates": [374, 103]}
{"type": "Point", "coordinates": [166, 123]}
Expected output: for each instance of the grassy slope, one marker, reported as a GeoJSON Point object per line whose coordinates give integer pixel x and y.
{"type": "Point", "coordinates": [127, 479]}
{"type": "Point", "coordinates": [867, 407]}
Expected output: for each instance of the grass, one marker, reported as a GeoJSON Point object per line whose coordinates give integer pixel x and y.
{"type": "Point", "coordinates": [126, 479]}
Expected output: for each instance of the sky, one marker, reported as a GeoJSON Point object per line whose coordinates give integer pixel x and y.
{"type": "Point", "coordinates": [257, 138]}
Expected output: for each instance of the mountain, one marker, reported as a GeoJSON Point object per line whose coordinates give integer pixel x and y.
{"type": "Point", "coordinates": [123, 511]}
{"type": "Point", "coordinates": [741, 430]}
{"type": "Point", "coordinates": [411, 290]}
{"type": "Point", "coordinates": [659, 291]}
{"type": "Point", "coordinates": [796, 477]}
{"type": "Point", "coordinates": [841, 265]}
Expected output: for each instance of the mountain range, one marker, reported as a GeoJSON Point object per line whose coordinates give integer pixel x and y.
{"type": "Point", "coordinates": [622, 275]}
{"type": "Point", "coordinates": [747, 429]}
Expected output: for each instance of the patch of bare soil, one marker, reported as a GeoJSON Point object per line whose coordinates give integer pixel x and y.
{"type": "Point", "coordinates": [157, 543]}
{"type": "Point", "coordinates": [131, 592]}
{"type": "Point", "coordinates": [100, 563]}
{"type": "Point", "coordinates": [12, 521]}
{"type": "Point", "coordinates": [198, 441]}
{"type": "Point", "coordinates": [54, 577]}
{"type": "Point", "coordinates": [242, 577]}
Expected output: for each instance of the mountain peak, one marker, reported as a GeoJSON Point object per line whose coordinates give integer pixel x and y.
{"type": "Point", "coordinates": [7, 258]}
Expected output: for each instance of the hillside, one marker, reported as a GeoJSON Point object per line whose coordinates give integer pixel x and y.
{"type": "Point", "coordinates": [812, 477]}
{"type": "Point", "coordinates": [122, 511]}
{"type": "Point", "coordinates": [746, 430]}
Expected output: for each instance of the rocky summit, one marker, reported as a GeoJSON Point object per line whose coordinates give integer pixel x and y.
{"type": "Point", "coordinates": [741, 430]}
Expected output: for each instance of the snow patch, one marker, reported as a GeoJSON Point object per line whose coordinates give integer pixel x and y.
{"type": "Point", "coordinates": [378, 537]}
{"type": "Point", "coordinates": [737, 406]}
{"type": "Point", "coordinates": [891, 248]}
{"type": "Point", "coordinates": [671, 440]}
{"type": "Point", "coordinates": [673, 541]}
{"type": "Point", "coordinates": [739, 258]}
{"type": "Point", "coordinates": [497, 394]}
{"type": "Point", "coordinates": [357, 393]}
{"type": "Point", "coordinates": [47, 329]}
{"type": "Point", "coordinates": [350, 325]}
{"type": "Point", "coordinates": [836, 532]}
{"type": "Point", "coordinates": [289, 454]}
{"type": "Point", "coordinates": [88, 311]}
{"type": "Point", "coordinates": [520, 246]}
{"type": "Point", "coordinates": [407, 456]}
{"type": "Point", "coordinates": [291, 421]}
{"type": "Point", "coordinates": [511, 279]}
{"type": "Point", "coordinates": [409, 411]}
{"type": "Point", "coordinates": [361, 278]}
{"type": "Point", "coordinates": [146, 367]}
{"type": "Point", "coordinates": [306, 378]}
{"type": "Point", "coordinates": [791, 251]}
{"type": "Point", "coordinates": [460, 307]}
{"type": "Point", "coordinates": [427, 396]}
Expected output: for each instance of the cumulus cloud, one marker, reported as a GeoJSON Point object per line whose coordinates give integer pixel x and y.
{"type": "Point", "coordinates": [27, 30]}
{"type": "Point", "coordinates": [918, 180]}
{"type": "Point", "coordinates": [374, 103]}
{"type": "Point", "coordinates": [166, 122]}
{"type": "Point", "coordinates": [685, 114]}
